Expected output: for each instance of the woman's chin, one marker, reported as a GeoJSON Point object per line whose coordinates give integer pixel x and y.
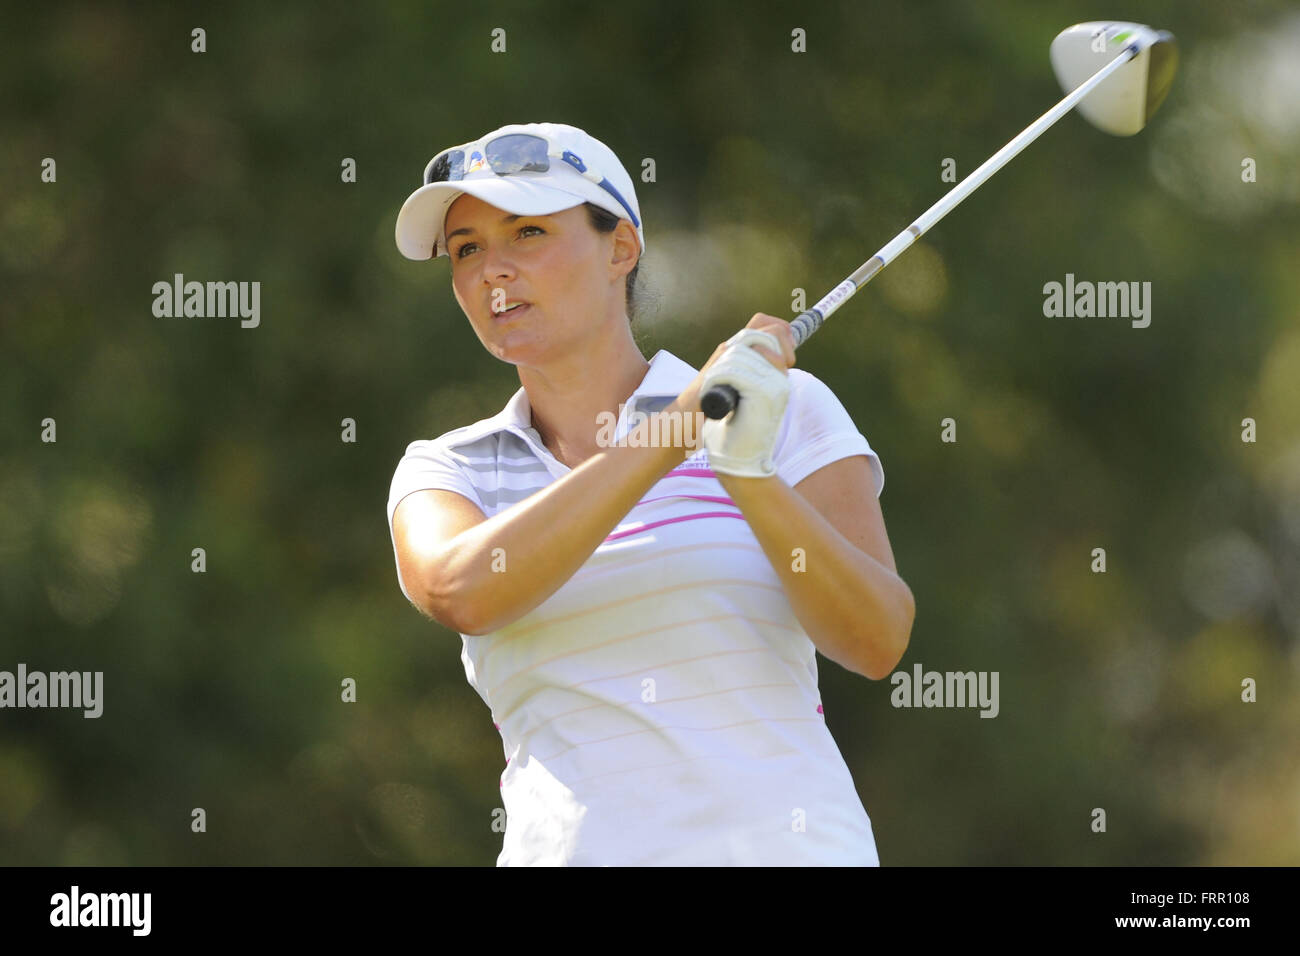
{"type": "Point", "coordinates": [517, 349]}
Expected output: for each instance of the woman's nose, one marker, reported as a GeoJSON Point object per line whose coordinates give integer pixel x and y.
{"type": "Point", "coordinates": [497, 262]}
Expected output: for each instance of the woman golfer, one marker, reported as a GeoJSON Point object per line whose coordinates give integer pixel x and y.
{"type": "Point", "coordinates": [639, 602]}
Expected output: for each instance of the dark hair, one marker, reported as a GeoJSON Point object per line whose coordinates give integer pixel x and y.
{"type": "Point", "coordinates": [602, 220]}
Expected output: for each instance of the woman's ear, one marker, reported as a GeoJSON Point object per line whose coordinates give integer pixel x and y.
{"type": "Point", "coordinates": [627, 248]}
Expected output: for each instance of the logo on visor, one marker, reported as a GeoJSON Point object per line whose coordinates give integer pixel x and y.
{"type": "Point", "coordinates": [476, 162]}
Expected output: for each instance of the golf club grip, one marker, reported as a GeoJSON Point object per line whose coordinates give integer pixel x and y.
{"type": "Point", "coordinates": [805, 325]}
{"type": "Point", "coordinates": [719, 401]}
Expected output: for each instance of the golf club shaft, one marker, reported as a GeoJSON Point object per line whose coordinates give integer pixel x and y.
{"type": "Point", "coordinates": [721, 399]}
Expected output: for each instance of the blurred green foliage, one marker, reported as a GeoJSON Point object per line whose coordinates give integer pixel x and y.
{"type": "Point", "coordinates": [775, 170]}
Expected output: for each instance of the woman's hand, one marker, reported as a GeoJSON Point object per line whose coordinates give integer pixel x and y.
{"type": "Point", "coordinates": [689, 399]}
{"type": "Point", "coordinates": [754, 362]}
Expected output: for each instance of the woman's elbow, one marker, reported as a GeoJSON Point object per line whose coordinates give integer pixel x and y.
{"type": "Point", "coordinates": [455, 613]}
{"type": "Point", "coordinates": [891, 650]}
{"type": "Point", "coordinates": [436, 600]}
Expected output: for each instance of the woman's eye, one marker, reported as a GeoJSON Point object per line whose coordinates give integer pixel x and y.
{"type": "Point", "coordinates": [461, 252]}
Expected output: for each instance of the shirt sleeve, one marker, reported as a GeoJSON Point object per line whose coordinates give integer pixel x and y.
{"type": "Point", "coordinates": [817, 431]}
{"type": "Point", "coordinates": [426, 465]}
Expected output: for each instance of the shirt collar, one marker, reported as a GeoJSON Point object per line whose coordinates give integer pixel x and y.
{"type": "Point", "coordinates": [667, 377]}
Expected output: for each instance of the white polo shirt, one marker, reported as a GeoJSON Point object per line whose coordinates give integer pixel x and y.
{"type": "Point", "coordinates": [661, 707]}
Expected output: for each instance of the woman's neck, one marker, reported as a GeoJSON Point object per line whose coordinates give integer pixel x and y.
{"type": "Point", "coordinates": [567, 406]}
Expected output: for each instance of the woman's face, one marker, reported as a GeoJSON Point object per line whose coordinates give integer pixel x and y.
{"type": "Point", "coordinates": [557, 264]}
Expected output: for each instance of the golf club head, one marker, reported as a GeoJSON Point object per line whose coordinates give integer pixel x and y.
{"type": "Point", "coordinates": [1124, 102]}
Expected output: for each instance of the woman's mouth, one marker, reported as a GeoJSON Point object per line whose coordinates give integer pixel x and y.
{"type": "Point", "coordinates": [515, 309]}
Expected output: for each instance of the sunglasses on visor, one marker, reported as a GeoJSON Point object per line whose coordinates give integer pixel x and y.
{"type": "Point", "coordinates": [513, 153]}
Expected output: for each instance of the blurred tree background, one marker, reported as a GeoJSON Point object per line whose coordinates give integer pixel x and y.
{"type": "Point", "coordinates": [774, 170]}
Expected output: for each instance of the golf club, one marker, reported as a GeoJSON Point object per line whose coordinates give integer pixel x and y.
{"type": "Point", "coordinates": [1137, 69]}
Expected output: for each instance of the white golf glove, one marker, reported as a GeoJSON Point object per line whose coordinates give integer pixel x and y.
{"type": "Point", "coordinates": [742, 443]}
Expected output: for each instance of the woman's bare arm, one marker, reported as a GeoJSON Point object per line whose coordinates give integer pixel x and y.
{"type": "Point", "coordinates": [542, 541]}
{"type": "Point", "coordinates": [447, 547]}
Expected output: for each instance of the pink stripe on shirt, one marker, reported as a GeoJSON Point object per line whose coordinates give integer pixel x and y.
{"type": "Point", "coordinates": [656, 524]}
{"type": "Point", "coordinates": [714, 498]}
